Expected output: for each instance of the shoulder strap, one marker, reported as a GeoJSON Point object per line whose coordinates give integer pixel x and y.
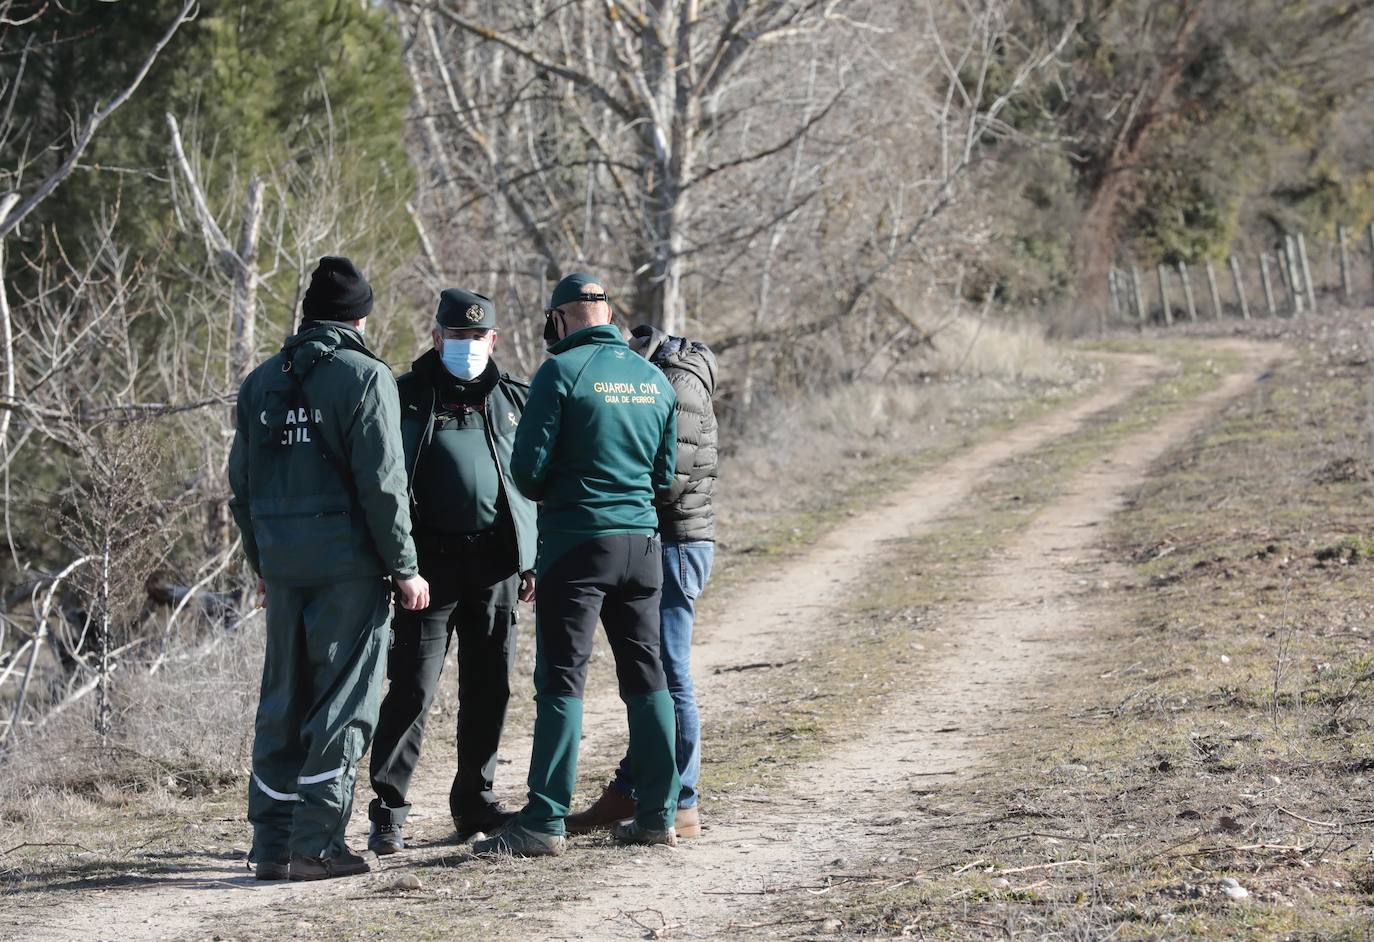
{"type": "Point", "coordinates": [327, 453]}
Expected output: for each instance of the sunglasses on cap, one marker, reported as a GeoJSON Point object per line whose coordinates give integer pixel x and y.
{"type": "Point", "coordinates": [584, 296]}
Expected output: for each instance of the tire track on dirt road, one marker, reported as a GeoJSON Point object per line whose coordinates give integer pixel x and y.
{"type": "Point", "coordinates": [781, 616]}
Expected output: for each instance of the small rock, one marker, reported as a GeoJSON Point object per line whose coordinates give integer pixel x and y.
{"type": "Point", "coordinates": [1225, 659]}
{"type": "Point", "coordinates": [839, 862]}
{"type": "Point", "coordinates": [1274, 780]}
{"type": "Point", "coordinates": [1002, 883]}
{"type": "Point", "coordinates": [1229, 882]}
{"type": "Point", "coordinates": [831, 925]}
{"type": "Point", "coordinates": [1236, 892]}
{"type": "Point", "coordinates": [406, 881]}
{"type": "Point", "coordinates": [1337, 885]}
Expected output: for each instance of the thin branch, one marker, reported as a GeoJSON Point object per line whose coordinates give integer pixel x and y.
{"type": "Point", "coordinates": [93, 123]}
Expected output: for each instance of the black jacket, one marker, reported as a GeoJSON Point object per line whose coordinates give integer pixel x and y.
{"type": "Point", "coordinates": [505, 405]}
{"type": "Point", "coordinates": [685, 514]}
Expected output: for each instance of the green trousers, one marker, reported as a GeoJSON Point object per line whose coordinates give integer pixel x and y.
{"type": "Point", "coordinates": [321, 689]}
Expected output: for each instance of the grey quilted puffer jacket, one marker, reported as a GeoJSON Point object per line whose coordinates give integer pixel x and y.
{"type": "Point", "coordinates": [684, 512]}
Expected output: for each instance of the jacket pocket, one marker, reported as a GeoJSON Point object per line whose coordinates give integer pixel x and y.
{"type": "Point", "coordinates": [306, 540]}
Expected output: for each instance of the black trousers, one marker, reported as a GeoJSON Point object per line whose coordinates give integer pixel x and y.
{"type": "Point", "coordinates": [473, 595]}
{"type": "Point", "coordinates": [617, 579]}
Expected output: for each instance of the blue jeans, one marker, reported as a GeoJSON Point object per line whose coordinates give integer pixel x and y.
{"type": "Point", "coordinates": [686, 567]}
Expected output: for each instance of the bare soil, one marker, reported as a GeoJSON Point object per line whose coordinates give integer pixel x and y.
{"type": "Point", "coordinates": [770, 847]}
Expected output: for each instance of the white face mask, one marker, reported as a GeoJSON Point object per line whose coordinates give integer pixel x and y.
{"type": "Point", "coordinates": [466, 359]}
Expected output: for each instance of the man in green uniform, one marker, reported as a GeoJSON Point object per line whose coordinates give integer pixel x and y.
{"type": "Point", "coordinates": [476, 538]}
{"type": "Point", "coordinates": [320, 498]}
{"type": "Point", "coordinates": [596, 442]}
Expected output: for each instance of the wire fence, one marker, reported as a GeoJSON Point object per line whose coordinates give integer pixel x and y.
{"type": "Point", "coordinates": [1290, 278]}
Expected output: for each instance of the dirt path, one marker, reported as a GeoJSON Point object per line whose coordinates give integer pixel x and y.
{"type": "Point", "coordinates": [849, 804]}
{"type": "Point", "coordinates": [854, 804]}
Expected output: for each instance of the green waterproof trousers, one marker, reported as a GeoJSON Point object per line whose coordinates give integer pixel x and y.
{"type": "Point", "coordinates": [321, 689]}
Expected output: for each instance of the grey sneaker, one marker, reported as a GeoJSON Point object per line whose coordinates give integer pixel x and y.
{"type": "Point", "coordinates": [630, 832]}
{"type": "Point", "coordinates": [385, 839]}
{"type": "Point", "coordinates": [347, 864]}
{"type": "Point", "coordinates": [518, 841]}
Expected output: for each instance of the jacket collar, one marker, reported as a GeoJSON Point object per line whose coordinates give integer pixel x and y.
{"type": "Point", "coordinates": [318, 339]}
{"type": "Point", "coordinates": [603, 334]}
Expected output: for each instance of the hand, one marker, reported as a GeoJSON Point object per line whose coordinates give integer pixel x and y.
{"type": "Point", "coordinates": [527, 586]}
{"type": "Point", "coordinates": [414, 593]}
{"type": "Point", "coordinates": [262, 594]}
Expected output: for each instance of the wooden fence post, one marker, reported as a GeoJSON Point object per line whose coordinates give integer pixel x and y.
{"type": "Point", "coordinates": [1139, 296]}
{"type": "Point", "coordinates": [1240, 287]}
{"type": "Point", "coordinates": [1187, 291]}
{"type": "Point", "coordinates": [1164, 295]}
{"type": "Point", "coordinates": [1346, 291]}
{"type": "Point", "coordinates": [1288, 269]}
{"type": "Point", "coordinates": [1307, 273]}
{"type": "Point", "coordinates": [1371, 246]}
{"type": "Point", "coordinates": [1268, 285]}
{"type": "Point", "coordinates": [1212, 290]}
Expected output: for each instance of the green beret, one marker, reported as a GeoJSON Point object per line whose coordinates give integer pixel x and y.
{"type": "Point", "coordinates": [459, 309]}
{"type": "Point", "coordinates": [573, 288]}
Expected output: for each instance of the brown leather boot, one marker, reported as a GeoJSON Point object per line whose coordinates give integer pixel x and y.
{"type": "Point", "coordinates": [610, 809]}
{"type": "Point", "coordinates": [688, 822]}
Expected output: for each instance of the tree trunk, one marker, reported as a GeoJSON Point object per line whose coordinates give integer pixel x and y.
{"type": "Point", "coordinates": [1095, 242]}
{"type": "Point", "coordinates": [243, 353]}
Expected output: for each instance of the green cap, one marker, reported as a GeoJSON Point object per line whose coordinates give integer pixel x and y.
{"type": "Point", "coordinates": [460, 308]}
{"type": "Point", "coordinates": [573, 288]}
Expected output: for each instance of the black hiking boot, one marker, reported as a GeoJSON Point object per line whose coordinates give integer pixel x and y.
{"type": "Point", "coordinates": [385, 839]}
{"type": "Point", "coordinates": [270, 870]}
{"type": "Point", "coordinates": [347, 864]}
{"type": "Point", "coordinates": [488, 820]}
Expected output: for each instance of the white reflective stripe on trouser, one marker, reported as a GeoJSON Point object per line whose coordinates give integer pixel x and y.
{"type": "Point", "coordinates": [273, 793]}
{"type": "Point", "coordinates": [322, 777]}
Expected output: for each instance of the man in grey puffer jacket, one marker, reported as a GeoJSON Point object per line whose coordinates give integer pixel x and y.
{"type": "Point", "coordinates": [687, 524]}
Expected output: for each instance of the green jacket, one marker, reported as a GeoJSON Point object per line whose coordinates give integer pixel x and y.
{"type": "Point", "coordinates": [304, 520]}
{"type": "Point", "coordinates": [505, 405]}
{"type": "Point", "coordinates": [597, 440]}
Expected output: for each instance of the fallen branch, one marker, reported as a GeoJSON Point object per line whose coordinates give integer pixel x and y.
{"type": "Point", "coordinates": [757, 665]}
{"type": "Point", "coordinates": [1246, 848]}
{"type": "Point", "coordinates": [45, 844]}
{"type": "Point", "coordinates": [1043, 866]}
{"type": "Point", "coordinates": [1294, 814]}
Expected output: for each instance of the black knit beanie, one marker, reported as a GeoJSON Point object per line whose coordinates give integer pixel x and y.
{"type": "Point", "coordinates": [337, 292]}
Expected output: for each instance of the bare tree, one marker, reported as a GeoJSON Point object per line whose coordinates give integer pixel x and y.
{"type": "Point", "coordinates": [647, 90]}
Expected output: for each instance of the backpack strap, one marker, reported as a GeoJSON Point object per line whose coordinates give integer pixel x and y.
{"type": "Point", "coordinates": [327, 453]}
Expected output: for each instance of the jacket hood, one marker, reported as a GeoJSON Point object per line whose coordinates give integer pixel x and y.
{"type": "Point", "coordinates": [668, 352]}
{"type": "Point", "coordinates": [317, 340]}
